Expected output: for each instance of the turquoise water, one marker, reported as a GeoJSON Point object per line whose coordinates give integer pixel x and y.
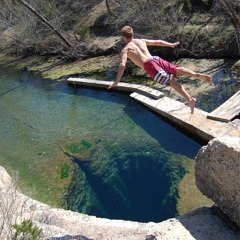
{"type": "Point", "coordinates": [93, 151]}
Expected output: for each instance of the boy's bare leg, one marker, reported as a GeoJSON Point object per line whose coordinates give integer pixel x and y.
{"type": "Point", "coordinates": [181, 90]}
{"type": "Point", "coordinates": [182, 71]}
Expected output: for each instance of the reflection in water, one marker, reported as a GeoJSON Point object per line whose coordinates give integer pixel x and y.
{"type": "Point", "coordinates": [96, 152]}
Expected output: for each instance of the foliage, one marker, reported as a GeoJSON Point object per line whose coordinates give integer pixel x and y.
{"type": "Point", "coordinates": [79, 147]}
{"type": "Point", "coordinates": [169, 21]}
{"type": "Point", "coordinates": [65, 171]}
{"type": "Point", "coordinates": [84, 30]}
{"type": "Point", "coordinates": [26, 230]}
{"type": "Point", "coordinates": [22, 32]}
{"type": "Point", "coordinates": [12, 210]}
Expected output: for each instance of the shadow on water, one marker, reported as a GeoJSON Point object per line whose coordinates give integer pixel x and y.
{"type": "Point", "coordinates": [10, 90]}
{"type": "Point", "coordinates": [155, 125]}
{"type": "Point", "coordinates": [171, 137]}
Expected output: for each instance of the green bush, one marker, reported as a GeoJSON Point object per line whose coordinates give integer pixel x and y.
{"type": "Point", "coordinates": [26, 230]}
{"type": "Point", "coordinates": [83, 31]}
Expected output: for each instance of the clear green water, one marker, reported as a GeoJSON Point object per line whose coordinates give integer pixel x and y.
{"type": "Point", "coordinates": [93, 151]}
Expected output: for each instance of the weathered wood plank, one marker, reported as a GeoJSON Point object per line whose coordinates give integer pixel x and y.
{"type": "Point", "coordinates": [228, 110]}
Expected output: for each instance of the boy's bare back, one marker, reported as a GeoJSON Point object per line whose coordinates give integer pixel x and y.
{"type": "Point", "coordinates": [135, 54]}
{"type": "Point", "coordinates": [143, 46]}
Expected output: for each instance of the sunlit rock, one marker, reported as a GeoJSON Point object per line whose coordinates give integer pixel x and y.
{"type": "Point", "coordinates": [203, 223]}
{"type": "Point", "coordinates": [218, 174]}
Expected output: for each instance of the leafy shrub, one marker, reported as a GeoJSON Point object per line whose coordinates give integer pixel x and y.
{"type": "Point", "coordinates": [84, 31]}
{"type": "Point", "coordinates": [26, 230]}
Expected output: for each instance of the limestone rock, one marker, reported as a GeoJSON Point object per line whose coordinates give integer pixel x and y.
{"type": "Point", "coordinates": [217, 172]}
{"type": "Point", "coordinates": [59, 224]}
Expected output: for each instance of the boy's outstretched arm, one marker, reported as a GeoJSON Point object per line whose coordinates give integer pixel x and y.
{"type": "Point", "coordinates": [160, 43]}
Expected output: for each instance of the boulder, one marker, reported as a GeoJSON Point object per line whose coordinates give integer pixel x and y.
{"type": "Point", "coordinates": [217, 172]}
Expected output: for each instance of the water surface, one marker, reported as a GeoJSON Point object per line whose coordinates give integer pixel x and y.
{"type": "Point", "coordinates": [93, 151]}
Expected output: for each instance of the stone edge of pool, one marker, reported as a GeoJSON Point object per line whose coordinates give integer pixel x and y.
{"type": "Point", "coordinates": [174, 111]}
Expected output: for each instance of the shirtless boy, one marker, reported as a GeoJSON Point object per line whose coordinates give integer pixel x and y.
{"type": "Point", "coordinates": [136, 50]}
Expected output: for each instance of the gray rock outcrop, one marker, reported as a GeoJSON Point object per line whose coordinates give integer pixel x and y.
{"type": "Point", "coordinates": [203, 223]}
{"type": "Point", "coordinates": [217, 172]}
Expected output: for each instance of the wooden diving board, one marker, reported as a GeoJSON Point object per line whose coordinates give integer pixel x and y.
{"type": "Point", "coordinates": [228, 110]}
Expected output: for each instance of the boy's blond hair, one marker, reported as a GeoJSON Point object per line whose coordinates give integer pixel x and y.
{"type": "Point", "coordinates": [127, 32]}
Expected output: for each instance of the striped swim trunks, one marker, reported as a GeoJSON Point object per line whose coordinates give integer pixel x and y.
{"type": "Point", "coordinates": [166, 66]}
{"type": "Point", "coordinates": [153, 69]}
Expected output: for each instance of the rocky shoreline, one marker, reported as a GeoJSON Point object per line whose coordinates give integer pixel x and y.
{"type": "Point", "coordinates": [105, 68]}
{"type": "Point", "coordinates": [203, 223]}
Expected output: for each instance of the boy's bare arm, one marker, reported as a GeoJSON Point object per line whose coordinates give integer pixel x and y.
{"type": "Point", "coordinates": [160, 43]}
{"type": "Point", "coordinates": [121, 68]}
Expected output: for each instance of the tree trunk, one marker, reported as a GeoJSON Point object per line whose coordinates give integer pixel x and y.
{"type": "Point", "coordinates": [229, 6]}
{"type": "Point", "coordinates": [108, 8]}
{"type": "Point", "coordinates": [44, 20]}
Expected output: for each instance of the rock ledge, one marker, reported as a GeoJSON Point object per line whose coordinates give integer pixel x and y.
{"type": "Point", "coordinates": [203, 223]}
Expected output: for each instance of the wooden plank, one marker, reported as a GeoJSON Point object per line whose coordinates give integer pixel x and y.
{"type": "Point", "coordinates": [228, 110]}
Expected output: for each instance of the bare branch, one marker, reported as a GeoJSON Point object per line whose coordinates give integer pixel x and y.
{"type": "Point", "coordinates": [44, 20]}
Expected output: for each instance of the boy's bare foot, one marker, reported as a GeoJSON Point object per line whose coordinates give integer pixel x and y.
{"type": "Point", "coordinates": [192, 104]}
{"type": "Point", "coordinates": [205, 77]}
